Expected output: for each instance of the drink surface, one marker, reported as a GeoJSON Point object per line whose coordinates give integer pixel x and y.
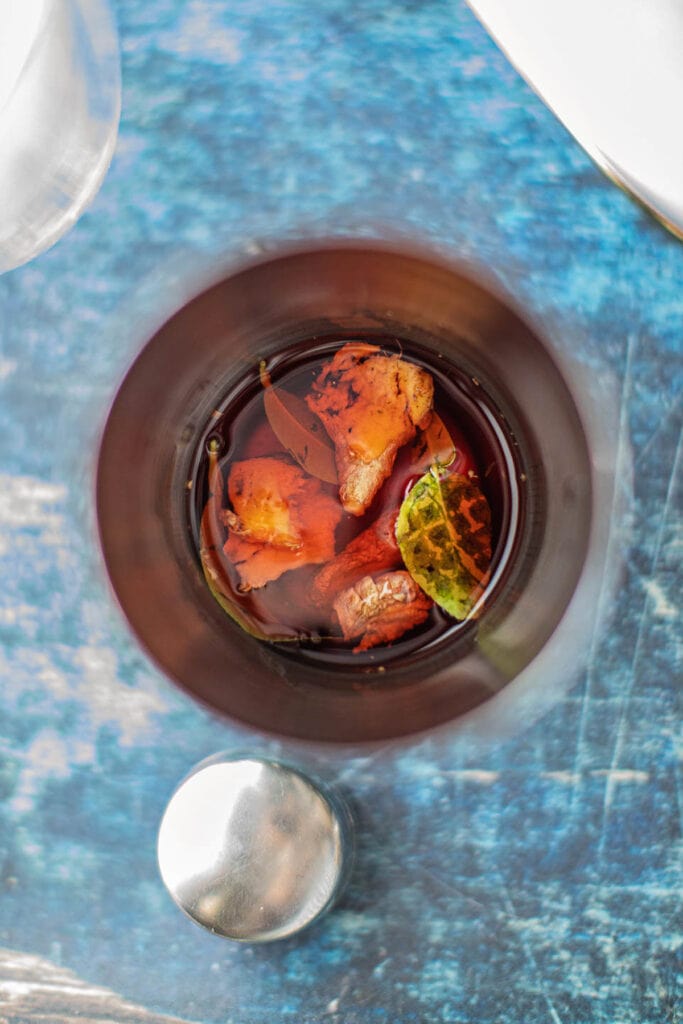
{"type": "Point", "coordinates": [302, 604]}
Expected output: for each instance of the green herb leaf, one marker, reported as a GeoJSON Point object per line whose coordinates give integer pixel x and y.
{"type": "Point", "coordinates": [299, 430]}
{"type": "Point", "coordinates": [444, 535]}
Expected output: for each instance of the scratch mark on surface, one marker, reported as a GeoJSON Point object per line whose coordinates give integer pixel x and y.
{"type": "Point", "coordinates": [619, 775]}
{"type": "Point", "coordinates": [566, 778]}
{"type": "Point", "coordinates": [614, 775]}
{"type": "Point", "coordinates": [359, 765]}
{"type": "Point", "coordinates": [622, 443]}
{"type": "Point", "coordinates": [662, 607]}
{"type": "Point", "coordinates": [333, 1005]}
{"type": "Point", "coordinates": [666, 416]}
{"type": "Point", "coordinates": [528, 952]}
{"type": "Point", "coordinates": [625, 699]}
{"type": "Point", "coordinates": [678, 783]}
{"type": "Point", "coordinates": [450, 888]}
{"type": "Point", "coordinates": [479, 775]}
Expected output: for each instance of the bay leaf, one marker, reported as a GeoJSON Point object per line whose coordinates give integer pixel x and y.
{"type": "Point", "coordinates": [299, 430]}
{"type": "Point", "coordinates": [444, 536]}
{"type": "Point", "coordinates": [433, 445]}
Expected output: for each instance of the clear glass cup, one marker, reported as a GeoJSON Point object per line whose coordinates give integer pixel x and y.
{"type": "Point", "coordinates": [60, 99]}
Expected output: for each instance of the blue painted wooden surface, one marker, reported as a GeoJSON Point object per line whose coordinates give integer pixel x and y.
{"type": "Point", "coordinates": [531, 880]}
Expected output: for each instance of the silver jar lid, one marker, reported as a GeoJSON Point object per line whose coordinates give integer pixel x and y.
{"type": "Point", "coordinates": [251, 849]}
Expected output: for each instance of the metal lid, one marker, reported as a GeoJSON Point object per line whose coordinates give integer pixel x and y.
{"type": "Point", "coordinates": [251, 849]}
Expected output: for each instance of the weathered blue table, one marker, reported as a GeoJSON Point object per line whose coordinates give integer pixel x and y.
{"type": "Point", "coordinates": [535, 879]}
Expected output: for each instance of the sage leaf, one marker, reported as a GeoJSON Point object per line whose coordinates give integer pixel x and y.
{"type": "Point", "coordinates": [444, 536]}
